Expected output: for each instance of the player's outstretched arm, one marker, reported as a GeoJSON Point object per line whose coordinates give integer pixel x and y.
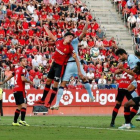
{"type": "Point", "coordinates": [25, 80]}
{"type": "Point", "coordinates": [84, 30]}
{"type": "Point", "coordinates": [7, 79]}
{"type": "Point", "coordinates": [74, 55]}
{"type": "Point", "coordinates": [49, 33]}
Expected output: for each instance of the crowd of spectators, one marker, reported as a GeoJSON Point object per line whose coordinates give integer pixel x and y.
{"type": "Point", "coordinates": [131, 14]}
{"type": "Point", "coordinates": [22, 34]}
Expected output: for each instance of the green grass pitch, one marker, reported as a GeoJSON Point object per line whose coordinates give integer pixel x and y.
{"type": "Point", "coordinates": [67, 128]}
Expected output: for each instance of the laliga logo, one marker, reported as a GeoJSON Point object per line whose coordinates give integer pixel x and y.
{"type": "Point", "coordinates": [67, 98]}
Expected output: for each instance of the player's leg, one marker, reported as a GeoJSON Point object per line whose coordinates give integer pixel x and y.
{"type": "Point", "coordinates": [69, 71]}
{"type": "Point", "coordinates": [135, 108]}
{"type": "Point", "coordinates": [57, 76]}
{"type": "Point", "coordinates": [17, 96]}
{"type": "Point", "coordinates": [50, 77]}
{"type": "Point", "coordinates": [23, 102]}
{"type": "Point", "coordinates": [119, 99]}
{"type": "Point", "coordinates": [59, 95]}
{"type": "Point", "coordinates": [16, 116]}
{"type": "Point", "coordinates": [87, 85]}
{"type": "Point", "coordinates": [132, 102]}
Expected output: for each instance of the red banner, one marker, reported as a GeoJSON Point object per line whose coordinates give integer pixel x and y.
{"type": "Point", "coordinates": [69, 98]}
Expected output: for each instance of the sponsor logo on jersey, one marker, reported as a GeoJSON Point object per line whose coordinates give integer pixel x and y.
{"type": "Point", "coordinates": [59, 51]}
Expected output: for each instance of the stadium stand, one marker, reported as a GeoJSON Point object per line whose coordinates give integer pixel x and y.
{"type": "Point", "coordinates": [22, 34]}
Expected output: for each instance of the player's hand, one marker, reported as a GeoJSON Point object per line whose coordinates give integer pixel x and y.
{"type": "Point", "coordinates": [81, 75]}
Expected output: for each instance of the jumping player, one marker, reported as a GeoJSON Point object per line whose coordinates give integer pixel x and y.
{"type": "Point", "coordinates": [132, 102]}
{"type": "Point", "coordinates": [124, 82]}
{"type": "Point", "coordinates": [62, 53]}
{"type": "Point", "coordinates": [19, 92]}
{"type": "Point", "coordinates": [71, 69]}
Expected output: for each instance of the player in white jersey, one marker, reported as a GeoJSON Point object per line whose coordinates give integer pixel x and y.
{"type": "Point", "coordinates": [71, 69]}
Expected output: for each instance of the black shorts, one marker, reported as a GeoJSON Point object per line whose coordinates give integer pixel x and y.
{"type": "Point", "coordinates": [122, 93]}
{"type": "Point", "coordinates": [56, 72]}
{"type": "Point", "coordinates": [136, 100]}
{"type": "Point", "coordinates": [19, 98]}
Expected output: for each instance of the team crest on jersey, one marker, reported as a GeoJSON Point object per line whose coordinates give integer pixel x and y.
{"type": "Point", "coordinates": [23, 70]}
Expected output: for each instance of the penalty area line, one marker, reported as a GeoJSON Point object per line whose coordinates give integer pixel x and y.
{"type": "Point", "coordinates": [81, 127]}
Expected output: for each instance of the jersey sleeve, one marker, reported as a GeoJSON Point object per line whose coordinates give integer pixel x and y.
{"type": "Point", "coordinates": [132, 61]}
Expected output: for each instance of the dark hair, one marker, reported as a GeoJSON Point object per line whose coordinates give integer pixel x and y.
{"type": "Point", "coordinates": [137, 53]}
{"type": "Point", "coordinates": [68, 33]}
{"type": "Point", "coordinates": [21, 58]}
{"type": "Point", "coordinates": [120, 52]}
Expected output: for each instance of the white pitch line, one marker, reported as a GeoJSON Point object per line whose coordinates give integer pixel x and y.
{"type": "Point", "coordinates": [81, 127]}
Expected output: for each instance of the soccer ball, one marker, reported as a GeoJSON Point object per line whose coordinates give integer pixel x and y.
{"type": "Point", "coordinates": [94, 52]}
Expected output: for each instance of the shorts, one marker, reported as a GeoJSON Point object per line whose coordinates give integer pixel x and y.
{"type": "Point", "coordinates": [71, 69]}
{"type": "Point", "coordinates": [136, 100]}
{"type": "Point", "coordinates": [56, 72]}
{"type": "Point", "coordinates": [134, 83]}
{"type": "Point", "coordinates": [122, 93]}
{"type": "Point", "coordinates": [19, 98]}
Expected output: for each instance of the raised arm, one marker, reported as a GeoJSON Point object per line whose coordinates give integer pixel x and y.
{"type": "Point", "coordinates": [84, 30]}
{"type": "Point", "coordinates": [49, 33]}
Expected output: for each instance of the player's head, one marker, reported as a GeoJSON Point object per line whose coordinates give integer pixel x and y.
{"type": "Point", "coordinates": [137, 68]}
{"type": "Point", "coordinates": [122, 54]}
{"type": "Point", "coordinates": [137, 53]}
{"type": "Point", "coordinates": [68, 37]}
{"type": "Point", "coordinates": [23, 61]}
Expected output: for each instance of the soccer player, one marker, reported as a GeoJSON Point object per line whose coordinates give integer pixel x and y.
{"type": "Point", "coordinates": [19, 92]}
{"type": "Point", "coordinates": [71, 69]}
{"type": "Point", "coordinates": [124, 82]}
{"type": "Point", "coordinates": [61, 55]}
{"type": "Point", "coordinates": [132, 102]}
{"type": "Point", "coordinates": [132, 62]}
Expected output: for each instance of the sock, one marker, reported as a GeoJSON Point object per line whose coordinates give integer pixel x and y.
{"type": "Point", "coordinates": [133, 112]}
{"type": "Point", "coordinates": [88, 88]}
{"type": "Point", "coordinates": [115, 112]}
{"type": "Point", "coordinates": [46, 91]}
{"type": "Point", "coordinates": [17, 112]}
{"type": "Point", "coordinates": [54, 92]}
{"type": "Point", "coordinates": [59, 95]}
{"type": "Point", "coordinates": [127, 114]}
{"type": "Point", "coordinates": [23, 113]}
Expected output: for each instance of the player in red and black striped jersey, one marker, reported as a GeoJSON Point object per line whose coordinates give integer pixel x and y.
{"type": "Point", "coordinates": [19, 75]}
{"type": "Point", "coordinates": [134, 101]}
{"type": "Point", "coordinates": [124, 82]}
{"type": "Point", "coordinates": [61, 55]}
